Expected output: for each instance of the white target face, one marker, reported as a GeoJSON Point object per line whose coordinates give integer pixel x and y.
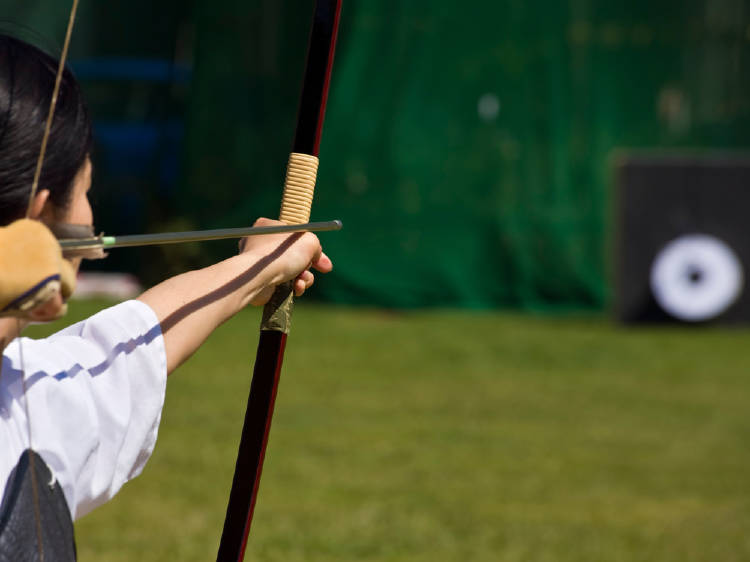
{"type": "Point", "coordinates": [696, 277]}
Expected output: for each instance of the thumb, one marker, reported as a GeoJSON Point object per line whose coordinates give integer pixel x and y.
{"type": "Point", "coordinates": [67, 278]}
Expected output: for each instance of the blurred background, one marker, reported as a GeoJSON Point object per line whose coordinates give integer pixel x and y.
{"type": "Point", "coordinates": [511, 177]}
{"type": "Point", "coordinates": [473, 152]}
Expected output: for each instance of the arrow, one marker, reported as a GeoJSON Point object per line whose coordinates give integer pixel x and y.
{"type": "Point", "coordinates": [72, 246]}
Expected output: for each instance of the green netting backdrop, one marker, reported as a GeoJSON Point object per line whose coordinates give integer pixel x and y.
{"type": "Point", "coordinates": [467, 147]}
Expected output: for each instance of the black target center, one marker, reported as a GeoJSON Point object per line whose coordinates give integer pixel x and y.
{"type": "Point", "coordinates": [695, 274]}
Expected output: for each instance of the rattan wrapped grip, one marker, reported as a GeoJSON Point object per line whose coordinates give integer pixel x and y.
{"type": "Point", "coordinates": [295, 209]}
{"type": "Point", "coordinates": [298, 188]}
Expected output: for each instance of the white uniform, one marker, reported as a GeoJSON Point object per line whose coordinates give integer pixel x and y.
{"type": "Point", "coordinates": [95, 392]}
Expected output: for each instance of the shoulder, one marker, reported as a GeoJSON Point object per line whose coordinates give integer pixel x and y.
{"type": "Point", "coordinates": [114, 341]}
{"type": "Point", "coordinates": [89, 390]}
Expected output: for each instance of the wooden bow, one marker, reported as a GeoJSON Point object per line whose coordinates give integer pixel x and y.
{"type": "Point", "coordinates": [295, 208]}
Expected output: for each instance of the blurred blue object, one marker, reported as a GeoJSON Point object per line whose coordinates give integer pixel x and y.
{"type": "Point", "coordinates": [137, 106]}
{"type": "Point", "coordinates": [129, 69]}
{"type": "Point", "coordinates": [143, 150]}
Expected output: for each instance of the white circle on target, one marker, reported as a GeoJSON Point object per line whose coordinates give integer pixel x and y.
{"type": "Point", "coordinates": [696, 277]}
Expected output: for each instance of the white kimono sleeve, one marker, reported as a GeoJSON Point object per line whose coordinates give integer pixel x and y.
{"type": "Point", "coordinates": [95, 392]}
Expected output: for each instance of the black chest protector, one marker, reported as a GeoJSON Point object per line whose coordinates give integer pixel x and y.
{"type": "Point", "coordinates": [21, 529]}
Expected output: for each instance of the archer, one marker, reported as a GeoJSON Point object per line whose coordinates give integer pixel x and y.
{"type": "Point", "coordinates": [86, 402]}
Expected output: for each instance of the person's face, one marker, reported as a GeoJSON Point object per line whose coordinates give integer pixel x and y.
{"type": "Point", "coordinates": [79, 210]}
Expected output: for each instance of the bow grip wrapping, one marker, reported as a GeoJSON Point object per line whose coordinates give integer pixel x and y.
{"type": "Point", "coordinates": [299, 187]}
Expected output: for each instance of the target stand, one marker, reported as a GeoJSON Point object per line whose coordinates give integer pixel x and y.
{"type": "Point", "coordinates": [682, 238]}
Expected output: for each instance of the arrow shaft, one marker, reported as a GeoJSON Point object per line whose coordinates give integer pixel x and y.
{"type": "Point", "coordinates": [133, 240]}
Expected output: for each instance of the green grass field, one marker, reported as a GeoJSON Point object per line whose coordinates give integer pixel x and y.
{"type": "Point", "coordinates": [443, 436]}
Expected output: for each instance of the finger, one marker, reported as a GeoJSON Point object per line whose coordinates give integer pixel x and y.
{"type": "Point", "coordinates": [307, 277]}
{"type": "Point", "coordinates": [49, 310]}
{"type": "Point", "coordinates": [303, 282]}
{"type": "Point", "coordinates": [67, 278]}
{"type": "Point", "coordinates": [299, 287]}
{"type": "Point", "coordinates": [323, 263]}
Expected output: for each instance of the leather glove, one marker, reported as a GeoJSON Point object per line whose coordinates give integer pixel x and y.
{"type": "Point", "coordinates": [32, 270]}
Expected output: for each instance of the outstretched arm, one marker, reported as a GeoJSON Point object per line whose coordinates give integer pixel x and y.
{"type": "Point", "coordinates": [192, 305]}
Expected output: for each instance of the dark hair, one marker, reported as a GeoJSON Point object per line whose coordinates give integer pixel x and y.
{"type": "Point", "coordinates": [27, 78]}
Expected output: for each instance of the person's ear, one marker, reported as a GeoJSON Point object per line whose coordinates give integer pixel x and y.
{"type": "Point", "coordinates": [40, 204]}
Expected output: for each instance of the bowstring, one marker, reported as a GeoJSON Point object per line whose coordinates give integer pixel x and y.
{"type": "Point", "coordinates": [52, 106]}
{"type": "Point", "coordinates": [32, 195]}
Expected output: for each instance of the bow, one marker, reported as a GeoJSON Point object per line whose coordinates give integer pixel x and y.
{"type": "Point", "coordinates": [295, 209]}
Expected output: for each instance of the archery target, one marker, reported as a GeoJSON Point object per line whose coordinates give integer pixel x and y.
{"type": "Point", "coordinates": [696, 277]}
